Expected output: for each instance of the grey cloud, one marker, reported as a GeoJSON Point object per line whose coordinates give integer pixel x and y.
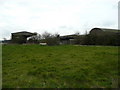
{"type": "Point", "coordinates": [64, 15]}
{"type": "Point", "coordinates": [63, 27]}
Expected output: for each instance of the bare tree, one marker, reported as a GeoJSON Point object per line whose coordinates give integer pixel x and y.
{"type": "Point", "coordinates": [50, 39]}
{"type": "Point", "coordinates": [34, 39]}
{"type": "Point", "coordinates": [46, 35]}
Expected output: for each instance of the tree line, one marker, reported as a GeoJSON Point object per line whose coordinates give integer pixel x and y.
{"type": "Point", "coordinates": [91, 39]}
{"type": "Point", "coordinates": [46, 37]}
{"type": "Point", "coordinates": [86, 39]}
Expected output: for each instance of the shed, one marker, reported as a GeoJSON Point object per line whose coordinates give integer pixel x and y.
{"type": "Point", "coordinates": [68, 39]}
{"type": "Point", "coordinates": [103, 36]}
{"type": "Point", "coordinates": [103, 31]}
{"type": "Point", "coordinates": [21, 37]}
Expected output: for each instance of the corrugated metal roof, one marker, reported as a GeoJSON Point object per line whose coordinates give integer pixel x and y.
{"type": "Point", "coordinates": [23, 33]}
{"type": "Point", "coordinates": [108, 30]}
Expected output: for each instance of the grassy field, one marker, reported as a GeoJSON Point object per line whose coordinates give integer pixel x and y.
{"type": "Point", "coordinates": [26, 66]}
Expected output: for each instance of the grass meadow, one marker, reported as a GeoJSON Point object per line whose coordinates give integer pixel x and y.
{"type": "Point", "coordinates": [65, 66]}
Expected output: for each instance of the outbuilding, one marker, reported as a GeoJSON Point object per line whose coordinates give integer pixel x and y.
{"type": "Point", "coordinates": [104, 31]}
{"type": "Point", "coordinates": [21, 37]}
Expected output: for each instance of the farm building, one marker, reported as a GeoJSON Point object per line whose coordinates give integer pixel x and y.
{"type": "Point", "coordinates": [102, 36]}
{"type": "Point", "coordinates": [21, 37]}
{"type": "Point", "coordinates": [104, 31]}
{"type": "Point", "coordinates": [68, 39]}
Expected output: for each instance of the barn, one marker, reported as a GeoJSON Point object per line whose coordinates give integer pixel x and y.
{"type": "Point", "coordinates": [104, 31]}
{"type": "Point", "coordinates": [103, 36]}
{"type": "Point", "coordinates": [68, 39]}
{"type": "Point", "coordinates": [21, 37]}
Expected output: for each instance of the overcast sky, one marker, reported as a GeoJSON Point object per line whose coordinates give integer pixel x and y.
{"type": "Point", "coordinates": [56, 16]}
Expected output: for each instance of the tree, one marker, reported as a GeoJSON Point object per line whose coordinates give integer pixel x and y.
{"type": "Point", "coordinates": [46, 35]}
{"type": "Point", "coordinates": [34, 39]}
{"type": "Point", "coordinates": [50, 39]}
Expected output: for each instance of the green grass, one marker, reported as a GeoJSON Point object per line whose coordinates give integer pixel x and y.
{"type": "Point", "coordinates": [67, 66]}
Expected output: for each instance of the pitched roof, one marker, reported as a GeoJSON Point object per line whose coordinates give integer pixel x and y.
{"type": "Point", "coordinates": [23, 33]}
